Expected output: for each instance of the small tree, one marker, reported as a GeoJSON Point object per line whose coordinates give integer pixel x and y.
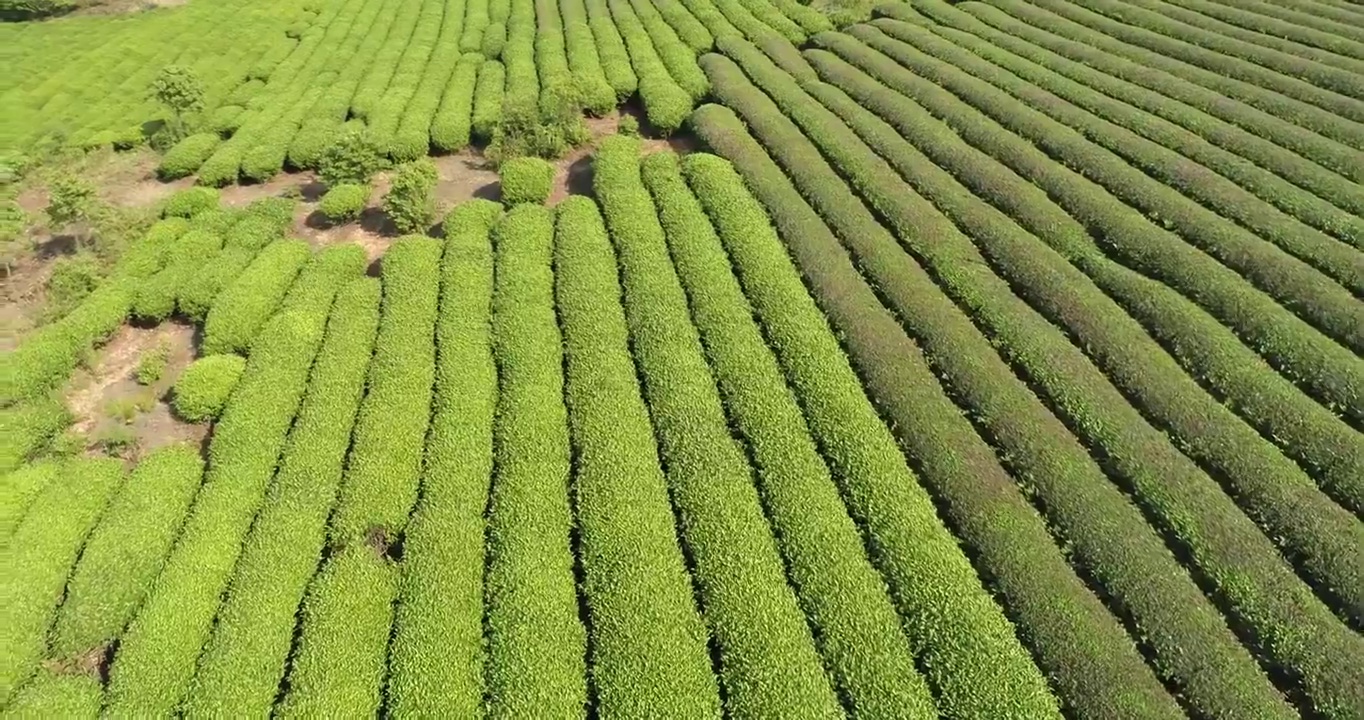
{"type": "Point", "coordinates": [411, 202]}
{"type": "Point", "coordinates": [182, 92]}
{"type": "Point", "coordinates": [351, 159]}
{"type": "Point", "coordinates": [72, 204]}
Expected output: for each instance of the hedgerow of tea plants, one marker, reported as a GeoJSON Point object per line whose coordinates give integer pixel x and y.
{"type": "Point", "coordinates": [244, 306]}
{"type": "Point", "coordinates": [202, 390]}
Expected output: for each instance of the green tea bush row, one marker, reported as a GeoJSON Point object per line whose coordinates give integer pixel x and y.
{"type": "Point", "coordinates": [1138, 574]}
{"type": "Point", "coordinates": [385, 462]}
{"type": "Point", "coordinates": [1225, 544]}
{"type": "Point", "coordinates": [338, 666]}
{"type": "Point", "coordinates": [768, 14]}
{"type": "Point", "coordinates": [50, 694]}
{"type": "Point", "coordinates": [551, 62]}
{"type": "Point", "coordinates": [223, 121]}
{"type": "Point", "coordinates": [1255, 62]}
{"type": "Point", "coordinates": [1305, 356]}
{"type": "Point", "coordinates": [1268, 266]}
{"type": "Point", "coordinates": [523, 81]}
{"type": "Point", "coordinates": [437, 655]}
{"type": "Point", "coordinates": [452, 126]}
{"type": "Point", "coordinates": [1160, 52]}
{"type": "Point", "coordinates": [1330, 27]}
{"type": "Point", "coordinates": [243, 307]}
{"type": "Point", "coordinates": [1267, 32]}
{"type": "Point", "coordinates": [488, 95]}
{"type": "Point", "coordinates": [854, 621]}
{"type": "Point", "coordinates": [1206, 349]}
{"type": "Point", "coordinates": [715, 22]}
{"type": "Point", "coordinates": [374, 84]}
{"type": "Point", "coordinates": [475, 20]}
{"type": "Point", "coordinates": [666, 103]}
{"type": "Point", "coordinates": [402, 87]}
{"type": "Point", "coordinates": [494, 40]}
{"type": "Point", "coordinates": [971, 656]}
{"type": "Point", "coordinates": [808, 18]}
{"type": "Point", "coordinates": [677, 57]}
{"type": "Point", "coordinates": [157, 654]}
{"type": "Point", "coordinates": [39, 557]}
{"type": "Point", "coordinates": [1315, 533]}
{"type": "Point", "coordinates": [525, 180]}
{"type": "Point", "coordinates": [197, 296]}
{"type": "Point", "coordinates": [123, 555]}
{"type": "Point", "coordinates": [19, 489]}
{"type": "Point", "coordinates": [536, 644]}
{"type": "Point", "coordinates": [413, 139]}
{"type": "Point", "coordinates": [344, 203]}
{"type": "Point", "coordinates": [1253, 203]}
{"type": "Point", "coordinates": [598, 96]}
{"type": "Point", "coordinates": [29, 426]}
{"type": "Point", "coordinates": [1075, 639]}
{"type": "Point", "coordinates": [649, 642]}
{"type": "Point", "coordinates": [327, 271]}
{"type": "Point", "coordinates": [188, 155]}
{"type": "Point", "coordinates": [203, 388]}
{"type": "Point", "coordinates": [1111, 75]}
{"type": "Point", "coordinates": [269, 150]}
{"type": "Point", "coordinates": [190, 202]}
{"type": "Point", "coordinates": [245, 659]}
{"type": "Point", "coordinates": [611, 50]}
{"type": "Point", "coordinates": [156, 295]}
{"type": "Point", "coordinates": [768, 662]}
{"type": "Point", "coordinates": [689, 29]}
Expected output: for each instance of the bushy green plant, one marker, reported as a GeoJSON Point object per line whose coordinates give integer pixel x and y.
{"type": "Point", "coordinates": [202, 389]}
{"type": "Point", "coordinates": [152, 366]}
{"type": "Point", "coordinates": [188, 155]}
{"type": "Point", "coordinates": [488, 95]}
{"type": "Point", "coordinates": [72, 200]}
{"type": "Point", "coordinates": [72, 279]}
{"type": "Point", "coordinates": [344, 203]}
{"type": "Point", "coordinates": [525, 180]}
{"type": "Point", "coordinates": [190, 202]}
{"type": "Point", "coordinates": [352, 157]}
{"type": "Point", "coordinates": [411, 200]}
{"type": "Point", "coordinates": [181, 91]}
{"type": "Point", "coordinates": [243, 307]}
{"type": "Point", "coordinates": [628, 125]}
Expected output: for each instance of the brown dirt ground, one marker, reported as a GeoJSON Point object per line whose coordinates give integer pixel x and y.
{"type": "Point", "coordinates": [110, 380]}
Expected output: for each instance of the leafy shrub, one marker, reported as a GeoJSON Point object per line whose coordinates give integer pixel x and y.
{"type": "Point", "coordinates": [488, 94]}
{"type": "Point", "coordinates": [202, 390]}
{"type": "Point", "coordinates": [353, 158]}
{"type": "Point", "coordinates": [628, 125]}
{"type": "Point", "coordinates": [156, 296]}
{"type": "Point", "coordinates": [494, 39]}
{"type": "Point", "coordinates": [16, 10]}
{"type": "Point", "coordinates": [188, 155]}
{"type": "Point", "coordinates": [223, 166]}
{"type": "Point", "coordinates": [344, 203]}
{"type": "Point", "coordinates": [411, 201]}
{"type": "Point", "coordinates": [72, 200]}
{"type": "Point", "coordinates": [197, 295]}
{"type": "Point", "coordinates": [278, 212]}
{"type": "Point", "coordinates": [525, 180]}
{"type": "Point", "coordinates": [152, 366]}
{"type": "Point", "coordinates": [190, 202]}
{"type": "Point", "coordinates": [451, 127]}
{"type": "Point", "coordinates": [26, 427]}
{"type": "Point", "coordinates": [72, 279]}
{"type": "Point", "coordinates": [225, 119]}
{"type": "Point", "coordinates": [242, 309]}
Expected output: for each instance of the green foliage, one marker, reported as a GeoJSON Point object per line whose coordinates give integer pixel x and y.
{"type": "Point", "coordinates": [155, 299]}
{"type": "Point", "coordinates": [202, 390]}
{"type": "Point", "coordinates": [48, 355]}
{"type": "Point", "coordinates": [152, 365]}
{"type": "Point", "coordinates": [584, 61]}
{"type": "Point", "coordinates": [245, 660]}
{"type": "Point", "coordinates": [344, 203]}
{"type": "Point", "coordinates": [452, 125]}
{"type": "Point", "coordinates": [523, 130]}
{"type": "Point", "coordinates": [348, 614]}
{"type": "Point", "coordinates": [411, 200]}
{"type": "Point", "coordinates": [190, 202]}
{"type": "Point", "coordinates": [179, 89]}
{"type": "Point", "coordinates": [71, 200]}
{"type": "Point", "coordinates": [19, 10]}
{"type": "Point", "coordinates": [666, 102]}
{"type": "Point", "coordinates": [677, 56]}
{"type": "Point", "coordinates": [850, 610]}
{"type": "Point", "coordinates": [437, 655]}
{"type": "Point", "coordinates": [116, 440]}
{"type": "Point", "coordinates": [525, 180]}
{"type": "Point", "coordinates": [488, 97]}
{"type": "Point", "coordinates": [353, 157]}
{"type": "Point", "coordinates": [73, 278]}
{"type": "Point", "coordinates": [981, 664]}
{"type": "Point", "coordinates": [123, 555]}
{"type": "Point", "coordinates": [50, 694]}
{"type": "Point", "coordinates": [188, 155]}
{"type": "Point", "coordinates": [244, 306]}
{"type": "Point", "coordinates": [613, 57]}
{"type": "Point", "coordinates": [19, 489]}
{"type": "Point", "coordinates": [39, 558]}
{"type": "Point", "coordinates": [628, 125]}
{"type": "Point", "coordinates": [767, 657]}
{"type": "Point", "coordinates": [157, 654]}
{"type": "Point", "coordinates": [278, 212]}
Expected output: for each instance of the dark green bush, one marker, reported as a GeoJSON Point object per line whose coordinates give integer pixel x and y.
{"type": "Point", "coordinates": [352, 157]}
{"type": "Point", "coordinates": [411, 201]}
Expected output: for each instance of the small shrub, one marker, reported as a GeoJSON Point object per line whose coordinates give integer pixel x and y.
{"type": "Point", "coordinates": [73, 278]}
{"type": "Point", "coordinates": [628, 125]}
{"type": "Point", "coordinates": [152, 366]}
{"type": "Point", "coordinates": [526, 180]}
{"type": "Point", "coordinates": [352, 158]}
{"type": "Point", "coordinates": [411, 202]}
{"type": "Point", "coordinates": [344, 203]}
{"type": "Point", "coordinates": [68, 444]}
{"type": "Point", "coordinates": [72, 201]}
{"type": "Point", "coordinates": [277, 211]}
{"type": "Point", "coordinates": [202, 390]}
{"type": "Point", "coordinates": [116, 440]}
{"type": "Point", "coordinates": [190, 202]}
